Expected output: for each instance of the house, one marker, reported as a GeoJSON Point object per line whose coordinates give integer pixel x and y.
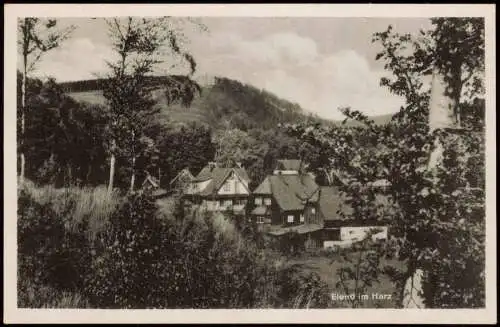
{"type": "Point", "coordinates": [291, 201]}
{"type": "Point", "coordinates": [287, 201]}
{"type": "Point", "coordinates": [152, 184]}
{"type": "Point", "coordinates": [180, 183]}
{"type": "Point", "coordinates": [339, 227]}
{"type": "Point", "coordinates": [219, 189]}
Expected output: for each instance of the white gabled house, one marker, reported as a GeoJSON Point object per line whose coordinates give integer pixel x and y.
{"type": "Point", "coordinates": [219, 189]}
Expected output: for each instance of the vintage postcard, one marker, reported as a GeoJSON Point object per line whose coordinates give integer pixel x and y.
{"type": "Point", "coordinates": [249, 163]}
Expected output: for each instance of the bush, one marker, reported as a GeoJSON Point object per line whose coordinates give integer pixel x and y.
{"type": "Point", "coordinates": [291, 244]}
{"type": "Point", "coordinates": [125, 270]}
{"type": "Point", "coordinates": [200, 261]}
{"type": "Point", "coordinates": [48, 255]}
{"type": "Point", "coordinates": [144, 257]}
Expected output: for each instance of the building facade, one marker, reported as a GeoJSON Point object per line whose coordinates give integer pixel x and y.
{"type": "Point", "coordinates": [219, 189]}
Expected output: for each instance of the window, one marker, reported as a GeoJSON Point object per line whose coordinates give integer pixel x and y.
{"type": "Point", "coordinates": [258, 201]}
{"type": "Point", "coordinates": [301, 218]}
{"type": "Point", "coordinates": [313, 210]}
{"type": "Point", "coordinates": [228, 203]}
{"type": "Point", "coordinates": [260, 220]}
{"type": "Point", "coordinates": [290, 219]}
{"type": "Point", "coordinates": [227, 187]}
{"type": "Point", "coordinates": [267, 201]}
{"type": "Point", "coordinates": [239, 202]}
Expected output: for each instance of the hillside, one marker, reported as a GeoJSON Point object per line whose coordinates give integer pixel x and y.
{"type": "Point", "coordinates": [224, 102]}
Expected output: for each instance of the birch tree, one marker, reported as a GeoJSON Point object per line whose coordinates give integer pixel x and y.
{"type": "Point", "coordinates": [433, 159]}
{"type": "Point", "coordinates": [35, 37]}
{"type": "Point", "coordinates": [141, 45]}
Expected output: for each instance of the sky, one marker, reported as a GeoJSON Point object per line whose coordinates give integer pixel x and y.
{"type": "Point", "coordinates": [320, 63]}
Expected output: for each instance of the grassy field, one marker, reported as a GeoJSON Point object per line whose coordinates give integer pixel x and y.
{"type": "Point", "coordinates": [326, 267]}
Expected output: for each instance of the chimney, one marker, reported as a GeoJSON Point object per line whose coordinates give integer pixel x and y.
{"type": "Point", "coordinates": [212, 165]}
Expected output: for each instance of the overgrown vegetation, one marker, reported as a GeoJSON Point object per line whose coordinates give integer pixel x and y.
{"type": "Point", "coordinates": [143, 258]}
{"type": "Point", "coordinates": [437, 216]}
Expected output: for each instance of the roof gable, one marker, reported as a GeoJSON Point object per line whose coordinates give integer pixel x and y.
{"type": "Point", "coordinates": [292, 192]}
{"type": "Point", "coordinates": [218, 176]}
{"type": "Point", "coordinates": [185, 173]}
{"type": "Point", "coordinates": [151, 180]}
{"type": "Point", "coordinates": [332, 202]}
{"type": "Point", "coordinates": [264, 187]}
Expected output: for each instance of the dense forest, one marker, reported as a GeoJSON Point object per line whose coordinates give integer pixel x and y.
{"type": "Point", "coordinates": [219, 104]}
{"type": "Point", "coordinates": [66, 138]}
{"type": "Point", "coordinates": [226, 122]}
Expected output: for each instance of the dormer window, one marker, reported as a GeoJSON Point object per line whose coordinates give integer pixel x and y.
{"type": "Point", "coordinates": [267, 201]}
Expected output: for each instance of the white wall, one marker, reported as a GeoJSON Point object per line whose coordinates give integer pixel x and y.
{"type": "Point", "coordinates": [234, 185]}
{"type": "Point", "coordinates": [196, 187]}
{"type": "Point", "coordinates": [358, 233]}
{"type": "Point", "coordinates": [216, 205]}
{"type": "Point", "coordinates": [286, 172]}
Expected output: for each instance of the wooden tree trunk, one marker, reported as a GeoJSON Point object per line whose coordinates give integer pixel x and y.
{"type": "Point", "coordinates": [443, 103]}
{"type": "Point", "coordinates": [442, 115]}
{"type": "Point", "coordinates": [132, 178]}
{"type": "Point", "coordinates": [112, 162]}
{"type": "Point", "coordinates": [22, 118]}
{"type": "Point", "coordinates": [70, 175]}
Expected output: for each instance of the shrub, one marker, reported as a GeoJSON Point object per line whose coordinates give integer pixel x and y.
{"type": "Point", "coordinates": [129, 252]}
{"type": "Point", "coordinates": [48, 255]}
{"type": "Point", "coordinates": [144, 257]}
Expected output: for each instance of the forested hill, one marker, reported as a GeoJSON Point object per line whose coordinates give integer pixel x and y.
{"type": "Point", "coordinates": [223, 102]}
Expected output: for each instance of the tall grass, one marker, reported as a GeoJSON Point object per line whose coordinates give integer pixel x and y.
{"type": "Point", "coordinates": [204, 258]}
{"type": "Point", "coordinates": [77, 204]}
{"type": "Point", "coordinates": [33, 296]}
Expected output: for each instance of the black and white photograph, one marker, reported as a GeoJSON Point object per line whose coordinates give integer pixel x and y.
{"type": "Point", "coordinates": [204, 161]}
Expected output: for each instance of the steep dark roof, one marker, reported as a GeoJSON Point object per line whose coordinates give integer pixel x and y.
{"type": "Point", "coordinates": [264, 188]}
{"type": "Point", "coordinates": [332, 202]}
{"type": "Point", "coordinates": [151, 180]}
{"type": "Point", "coordinates": [288, 164]}
{"type": "Point", "coordinates": [183, 173]}
{"type": "Point", "coordinates": [217, 176]}
{"type": "Point", "coordinates": [208, 172]}
{"type": "Point", "coordinates": [291, 192]}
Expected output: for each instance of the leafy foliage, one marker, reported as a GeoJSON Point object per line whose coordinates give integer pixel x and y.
{"type": "Point", "coordinates": [437, 219]}
{"type": "Point", "coordinates": [37, 36]}
{"type": "Point", "coordinates": [361, 268]}
{"type": "Point", "coordinates": [63, 139]}
{"type": "Point", "coordinates": [48, 254]}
